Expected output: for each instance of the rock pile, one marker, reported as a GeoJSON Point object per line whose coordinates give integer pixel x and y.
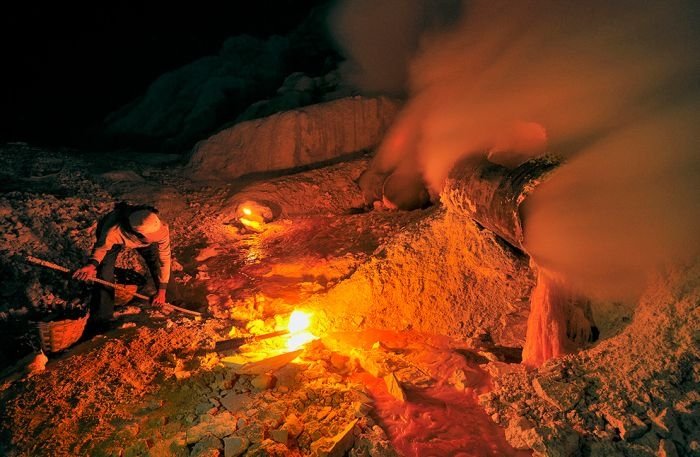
{"type": "Point", "coordinates": [620, 397]}
{"type": "Point", "coordinates": [305, 408]}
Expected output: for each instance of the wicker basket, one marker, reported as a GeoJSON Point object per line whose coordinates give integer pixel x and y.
{"type": "Point", "coordinates": [124, 294]}
{"type": "Point", "coordinates": [56, 336]}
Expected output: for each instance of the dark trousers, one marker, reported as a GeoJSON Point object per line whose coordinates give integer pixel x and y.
{"type": "Point", "coordinates": [102, 305]}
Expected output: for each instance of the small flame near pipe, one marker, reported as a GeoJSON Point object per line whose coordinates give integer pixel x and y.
{"type": "Point", "coordinates": [251, 220]}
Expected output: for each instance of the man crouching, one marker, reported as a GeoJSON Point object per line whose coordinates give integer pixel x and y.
{"type": "Point", "coordinates": [127, 226]}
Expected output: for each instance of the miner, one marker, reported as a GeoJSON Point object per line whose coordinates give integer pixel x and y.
{"type": "Point", "coordinates": [133, 227]}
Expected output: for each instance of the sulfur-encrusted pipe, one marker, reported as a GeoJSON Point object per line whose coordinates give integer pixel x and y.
{"type": "Point", "coordinates": [492, 194]}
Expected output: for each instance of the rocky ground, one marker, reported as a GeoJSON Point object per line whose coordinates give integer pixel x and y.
{"type": "Point", "coordinates": [635, 393]}
{"type": "Point", "coordinates": [152, 385]}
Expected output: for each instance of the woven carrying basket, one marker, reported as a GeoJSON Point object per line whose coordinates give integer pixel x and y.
{"type": "Point", "coordinates": [56, 336]}
{"type": "Point", "coordinates": [124, 294]}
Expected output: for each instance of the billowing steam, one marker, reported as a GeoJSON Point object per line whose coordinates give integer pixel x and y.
{"type": "Point", "coordinates": [612, 86]}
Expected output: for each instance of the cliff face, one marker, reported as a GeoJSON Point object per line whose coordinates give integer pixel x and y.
{"type": "Point", "coordinates": [317, 133]}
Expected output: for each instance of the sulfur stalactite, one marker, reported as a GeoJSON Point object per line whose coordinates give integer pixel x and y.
{"type": "Point", "coordinates": [560, 320]}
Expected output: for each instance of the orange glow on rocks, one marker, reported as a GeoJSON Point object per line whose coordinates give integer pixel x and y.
{"type": "Point", "coordinates": [251, 224]}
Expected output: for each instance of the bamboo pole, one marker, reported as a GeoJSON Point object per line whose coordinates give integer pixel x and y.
{"type": "Point", "coordinates": [53, 266]}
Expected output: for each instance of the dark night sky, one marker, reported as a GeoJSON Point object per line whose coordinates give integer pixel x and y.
{"type": "Point", "coordinates": [66, 66]}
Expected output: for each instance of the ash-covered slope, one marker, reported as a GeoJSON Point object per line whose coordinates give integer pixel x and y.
{"type": "Point", "coordinates": [635, 393]}
{"type": "Point", "coordinates": [443, 275]}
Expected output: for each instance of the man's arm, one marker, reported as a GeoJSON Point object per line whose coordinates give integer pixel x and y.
{"type": "Point", "coordinates": [164, 262]}
{"type": "Point", "coordinates": [105, 240]}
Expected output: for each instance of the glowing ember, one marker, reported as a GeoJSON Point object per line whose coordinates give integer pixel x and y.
{"type": "Point", "coordinates": [299, 321]}
{"type": "Point", "coordinates": [247, 211]}
{"type": "Point", "coordinates": [255, 225]}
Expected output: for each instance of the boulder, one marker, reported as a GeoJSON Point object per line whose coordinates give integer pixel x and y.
{"type": "Point", "coordinates": [314, 134]}
{"type": "Point", "coordinates": [208, 446]}
{"type": "Point", "coordinates": [236, 403]}
{"type": "Point", "coordinates": [280, 436]}
{"type": "Point", "coordinates": [235, 446]}
{"type": "Point", "coordinates": [263, 381]}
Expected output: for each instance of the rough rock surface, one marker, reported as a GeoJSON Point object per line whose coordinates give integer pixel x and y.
{"type": "Point", "coordinates": [145, 388]}
{"type": "Point", "coordinates": [441, 275]}
{"type": "Point", "coordinates": [328, 190]}
{"type": "Point", "coordinates": [632, 394]}
{"type": "Point", "coordinates": [317, 133]}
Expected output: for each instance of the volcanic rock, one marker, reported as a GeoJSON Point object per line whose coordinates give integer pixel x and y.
{"type": "Point", "coordinates": [556, 442]}
{"type": "Point", "coordinates": [236, 403]}
{"type": "Point", "coordinates": [361, 409]}
{"type": "Point", "coordinates": [221, 425]}
{"type": "Point", "coordinates": [663, 423]}
{"type": "Point", "coordinates": [269, 364]}
{"type": "Point", "coordinates": [521, 433]}
{"type": "Point", "coordinates": [209, 446]}
{"type": "Point", "coordinates": [255, 432]}
{"type": "Point", "coordinates": [293, 425]}
{"type": "Point", "coordinates": [235, 446]}
{"type": "Point", "coordinates": [339, 361]}
{"type": "Point", "coordinates": [263, 381]}
{"type": "Point", "coordinates": [667, 449]}
{"type": "Point", "coordinates": [280, 436]}
{"type": "Point", "coordinates": [314, 134]}
{"type": "Point", "coordinates": [629, 425]}
{"type": "Point", "coordinates": [562, 395]}
{"type": "Point", "coordinates": [336, 446]}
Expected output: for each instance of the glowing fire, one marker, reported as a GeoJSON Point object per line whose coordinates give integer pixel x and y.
{"type": "Point", "coordinates": [251, 220]}
{"type": "Point", "coordinates": [299, 321]}
{"type": "Point", "coordinates": [255, 225]}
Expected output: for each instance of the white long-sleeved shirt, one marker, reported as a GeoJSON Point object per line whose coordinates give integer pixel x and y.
{"type": "Point", "coordinates": [111, 234]}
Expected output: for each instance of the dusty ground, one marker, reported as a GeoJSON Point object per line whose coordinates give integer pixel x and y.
{"type": "Point", "coordinates": [150, 386]}
{"type": "Point", "coordinates": [634, 393]}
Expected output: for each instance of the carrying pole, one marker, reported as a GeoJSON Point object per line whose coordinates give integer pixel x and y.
{"type": "Point", "coordinates": [53, 266]}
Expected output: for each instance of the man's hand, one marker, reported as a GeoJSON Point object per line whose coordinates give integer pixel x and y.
{"type": "Point", "coordinates": [86, 273]}
{"type": "Point", "coordinates": [159, 298]}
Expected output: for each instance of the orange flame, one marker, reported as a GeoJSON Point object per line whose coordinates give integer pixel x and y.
{"type": "Point", "coordinates": [299, 321]}
{"type": "Point", "coordinates": [255, 225]}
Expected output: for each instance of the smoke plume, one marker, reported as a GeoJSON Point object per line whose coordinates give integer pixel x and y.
{"type": "Point", "coordinates": [614, 87]}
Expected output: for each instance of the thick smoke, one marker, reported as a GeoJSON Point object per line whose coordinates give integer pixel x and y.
{"type": "Point", "coordinates": [380, 37]}
{"type": "Point", "coordinates": [612, 86]}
